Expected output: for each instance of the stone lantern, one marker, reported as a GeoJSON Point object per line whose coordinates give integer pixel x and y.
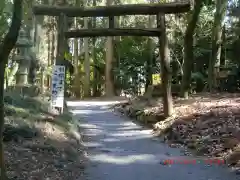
{"type": "Point", "coordinates": [23, 57]}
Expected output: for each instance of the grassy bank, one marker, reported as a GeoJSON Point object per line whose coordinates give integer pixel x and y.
{"type": "Point", "coordinates": [38, 143]}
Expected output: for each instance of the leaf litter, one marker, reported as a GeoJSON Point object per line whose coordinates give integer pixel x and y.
{"type": "Point", "coordinates": [208, 124]}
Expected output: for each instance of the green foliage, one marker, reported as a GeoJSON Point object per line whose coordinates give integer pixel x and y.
{"type": "Point", "coordinates": [198, 81]}
{"type": "Point", "coordinates": [208, 2]}
{"type": "Point", "coordinates": [231, 83]}
{"type": "Point", "coordinates": [133, 55]}
{"type": "Point", "coordinates": [5, 13]}
{"type": "Point", "coordinates": [198, 75]}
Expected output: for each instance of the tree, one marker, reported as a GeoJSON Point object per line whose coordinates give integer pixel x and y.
{"type": "Point", "coordinates": [149, 62]}
{"type": "Point", "coordinates": [188, 48]}
{"type": "Point", "coordinates": [87, 91]}
{"type": "Point", "coordinates": [214, 63]}
{"type": "Point", "coordinates": [95, 72]}
{"type": "Point", "coordinates": [165, 68]}
{"type": "Point", "coordinates": [76, 59]}
{"type": "Point", "coordinates": [5, 48]}
{"type": "Point", "coordinates": [109, 84]}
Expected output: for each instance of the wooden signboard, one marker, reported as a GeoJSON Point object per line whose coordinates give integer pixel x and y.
{"type": "Point", "coordinates": [57, 99]}
{"type": "Point", "coordinates": [156, 79]}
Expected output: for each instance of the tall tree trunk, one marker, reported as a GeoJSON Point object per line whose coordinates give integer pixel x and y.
{"type": "Point", "coordinates": [116, 53]}
{"type": "Point", "coordinates": [87, 91]}
{"type": "Point", "coordinates": [149, 65]}
{"type": "Point", "coordinates": [2, 161]}
{"type": "Point", "coordinates": [165, 67]}
{"type": "Point", "coordinates": [54, 43]}
{"type": "Point", "coordinates": [76, 67]}
{"type": "Point", "coordinates": [223, 48]}
{"type": "Point", "coordinates": [49, 56]}
{"type": "Point", "coordinates": [52, 49]}
{"type": "Point", "coordinates": [109, 84]}
{"type": "Point", "coordinates": [5, 48]}
{"type": "Point", "coordinates": [188, 48]}
{"type": "Point", "coordinates": [95, 71]}
{"type": "Point", "coordinates": [118, 22]}
{"type": "Point", "coordinates": [214, 63]}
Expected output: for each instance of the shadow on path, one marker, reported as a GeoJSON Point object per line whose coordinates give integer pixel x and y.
{"type": "Point", "coordinates": [121, 150]}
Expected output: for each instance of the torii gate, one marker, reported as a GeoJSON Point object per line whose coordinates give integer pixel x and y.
{"type": "Point", "coordinates": [159, 9]}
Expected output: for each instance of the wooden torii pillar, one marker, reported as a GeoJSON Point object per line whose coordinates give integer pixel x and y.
{"type": "Point", "coordinates": [159, 9]}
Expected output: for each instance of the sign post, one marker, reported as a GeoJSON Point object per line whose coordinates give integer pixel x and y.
{"type": "Point", "coordinates": [58, 78]}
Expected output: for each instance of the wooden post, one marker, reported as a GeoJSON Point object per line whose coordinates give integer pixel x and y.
{"type": "Point", "coordinates": [165, 67]}
{"type": "Point", "coordinates": [109, 84]}
{"type": "Point", "coordinates": [111, 24]}
{"type": "Point", "coordinates": [42, 81]}
{"type": "Point", "coordinates": [61, 41]}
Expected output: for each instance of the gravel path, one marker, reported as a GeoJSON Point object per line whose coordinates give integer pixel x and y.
{"type": "Point", "coordinates": [121, 150]}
